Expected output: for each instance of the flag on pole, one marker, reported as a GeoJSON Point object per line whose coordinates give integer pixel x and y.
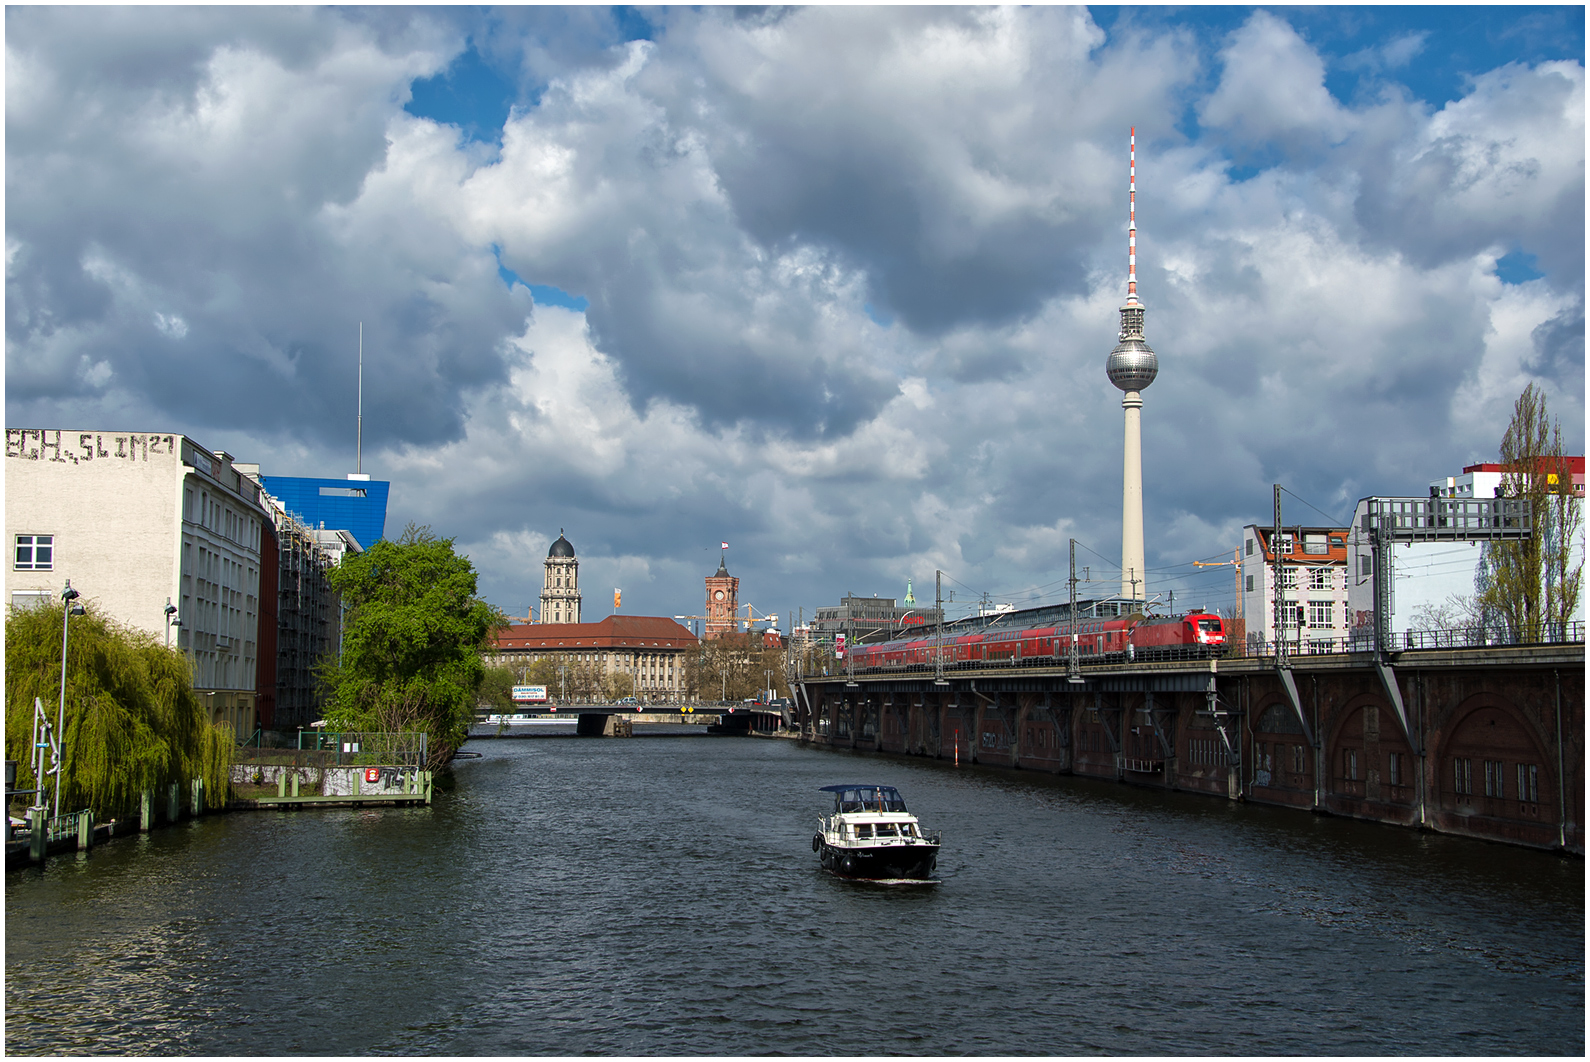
{"type": "Point", "coordinates": [725, 545]}
{"type": "Point", "coordinates": [618, 597]}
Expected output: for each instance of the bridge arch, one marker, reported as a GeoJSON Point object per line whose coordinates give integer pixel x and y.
{"type": "Point", "coordinates": [1492, 760]}
{"type": "Point", "coordinates": [1281, 757]}
{"type": "Point", "coordinates": [1368, 756]}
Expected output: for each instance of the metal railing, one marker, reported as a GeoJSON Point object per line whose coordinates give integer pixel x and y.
{"type": "Point", "coordinates": [1472, 637]}
{"type": "Point", "coordinates": [321, 749]}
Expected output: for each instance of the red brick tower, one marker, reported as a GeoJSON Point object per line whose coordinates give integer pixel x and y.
{"type": "Point", "coordinates": [723, 601]}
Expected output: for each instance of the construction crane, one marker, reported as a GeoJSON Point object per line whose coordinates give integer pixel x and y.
{"type": "Point", "coordinates": [1236, 560]}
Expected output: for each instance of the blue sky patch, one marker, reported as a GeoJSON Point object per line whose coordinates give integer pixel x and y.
{"type": "Point", "coordinates": [1517, 267]}
{"type": "Point", "coordinates": [543, 294]}
{"type": "Point", "coordinates": [470, 94]}
{"type": "Point", "coordinates": [879, 317]}
{"type": "Point", "coordinates": [1432, 51]}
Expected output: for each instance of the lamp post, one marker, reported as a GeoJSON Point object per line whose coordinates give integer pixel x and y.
{"type": "Point", "coordinates": [171, 610]}
{"type": "Point", "coordinates": [68, 610]}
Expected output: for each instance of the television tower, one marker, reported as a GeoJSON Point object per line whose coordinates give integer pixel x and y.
{"type": "Point", "coordinates": [1132, 366]}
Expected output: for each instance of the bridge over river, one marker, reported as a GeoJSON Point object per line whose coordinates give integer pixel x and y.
{"type": "Point", "coordinates": [1483, 741]}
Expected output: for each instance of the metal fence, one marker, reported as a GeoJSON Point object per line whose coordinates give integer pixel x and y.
{"type": "Point", "coordinates": [1477, 637]}
{"type": "Point", "coordinates": [406, 748]}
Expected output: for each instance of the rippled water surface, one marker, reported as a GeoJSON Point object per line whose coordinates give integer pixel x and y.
{"type": "Point", "coordinates": [660, 896]}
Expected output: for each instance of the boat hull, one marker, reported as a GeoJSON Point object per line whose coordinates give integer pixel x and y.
{"type": "Point", "coordinates": [895, 862]}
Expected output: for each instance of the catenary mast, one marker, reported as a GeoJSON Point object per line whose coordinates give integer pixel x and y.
{"type": "Point", "coordinates": [1132, 366]}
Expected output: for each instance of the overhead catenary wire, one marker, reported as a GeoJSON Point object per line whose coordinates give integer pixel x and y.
{"type": "Point", "coordinates": [1334, 521]}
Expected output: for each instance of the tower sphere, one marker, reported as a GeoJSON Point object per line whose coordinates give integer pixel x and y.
{"type": "Point", "coordinates": [1132, 365]}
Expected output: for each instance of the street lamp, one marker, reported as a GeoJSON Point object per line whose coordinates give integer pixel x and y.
{"type": "Point", "coordinates": [68, 610]}
{"type": "Point", "coordinates": [171, 611]}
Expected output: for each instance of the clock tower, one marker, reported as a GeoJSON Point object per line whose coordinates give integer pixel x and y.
{"type": "Point", "coordinates": [723, 602]}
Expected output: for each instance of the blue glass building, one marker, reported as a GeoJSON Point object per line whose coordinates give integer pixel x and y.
{"type": "Point", "coordinates": [354, 505]}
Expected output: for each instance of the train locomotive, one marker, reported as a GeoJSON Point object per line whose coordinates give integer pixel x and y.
{"type": "Point", "coordinates": [1099, 640]}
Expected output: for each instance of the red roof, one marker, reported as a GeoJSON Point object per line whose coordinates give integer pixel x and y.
{"type": "Point", "coordinates": [614, 632]}
{"type": "Point", "coordinates": [1575, 464]}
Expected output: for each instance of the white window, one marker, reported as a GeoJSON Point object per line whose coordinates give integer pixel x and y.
{"type": "Point", "coordinates": [1529, 782]}
{"type": "Point", "coordinates": [1319, 613]}
{"type": "Point", "coordinates": [1493, 778]}
{"type": "Point", "coordinates": [1319, 578]}
{"type": "Point", "coordinates": [1288, 578]}
{"type": "Point", "coordinates": [35, 553]}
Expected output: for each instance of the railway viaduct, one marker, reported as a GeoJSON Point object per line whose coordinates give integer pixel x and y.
{"type": "Point", "coordinates": [1484, 742]}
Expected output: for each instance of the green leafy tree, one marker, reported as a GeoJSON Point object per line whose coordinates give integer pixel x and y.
{"type": "Point", "coordinates": [412, 643]}
{"type": "Point", "coordinates": [496, 689]}
{"type": "Point", "coordinates": [133, 721]}
{"type": "Point", "coordinates": [1530, 588]}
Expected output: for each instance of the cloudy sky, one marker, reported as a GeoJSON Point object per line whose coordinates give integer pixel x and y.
{"type": "Point", "coordinates": [834, 285]}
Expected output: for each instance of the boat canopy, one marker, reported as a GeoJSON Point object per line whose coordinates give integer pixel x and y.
{"type": "Point", "coordinates": [865, 797]}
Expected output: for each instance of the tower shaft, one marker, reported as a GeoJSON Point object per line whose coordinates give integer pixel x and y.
{"type": "Point", "coordinates": [1132, 564]}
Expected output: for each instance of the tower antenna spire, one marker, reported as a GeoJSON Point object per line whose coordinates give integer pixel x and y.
{"type": "Point", "coordinates": [358, 444]}
{"type": "Point", "coordinates": [1131, 225]}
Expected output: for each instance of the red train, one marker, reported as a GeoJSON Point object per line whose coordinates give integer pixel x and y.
{"type": "Point", "coordinates": [1098, 639]}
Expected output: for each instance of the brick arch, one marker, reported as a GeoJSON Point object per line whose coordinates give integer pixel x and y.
{"type": "Point", "coordinates": [1280, 712]}
{"type": "Point", "coordinates": [1349, 720]}
{"type": "Point", "coordinates": [1359, 760]}
{"type": "Point", "coordinates": [1277, 735]}
{"type": "Point", "coordinates": [1488, 728]}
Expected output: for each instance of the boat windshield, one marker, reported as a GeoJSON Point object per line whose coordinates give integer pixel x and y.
{"type": "Point", "coordinates": [868, 798]}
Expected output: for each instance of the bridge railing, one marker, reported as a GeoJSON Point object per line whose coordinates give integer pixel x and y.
{"type": "Point", "coordinates": [1472, 637]}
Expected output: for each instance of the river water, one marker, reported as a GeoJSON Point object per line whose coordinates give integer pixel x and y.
{"type": "Point", "coordinates": [659, 896]}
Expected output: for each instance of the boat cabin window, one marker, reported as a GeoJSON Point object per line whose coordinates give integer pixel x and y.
{"type": "Point", "coordinates": [868, 798]}
{"type": "Point", "coordinates": [886, 829]}
{"type": "Point", "coordinates": [864, 830]}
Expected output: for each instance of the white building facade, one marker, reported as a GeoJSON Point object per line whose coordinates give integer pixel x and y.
{"type": "Point", "coordinates": [138, 520]}
{"type": "Point", "coordinates": [1313, 589]}
{"type": "Point", "coordinates": [1431, 582]}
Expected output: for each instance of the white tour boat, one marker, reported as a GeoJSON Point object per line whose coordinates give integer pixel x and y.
{"type": "Point", "coordinates": [872, 836]}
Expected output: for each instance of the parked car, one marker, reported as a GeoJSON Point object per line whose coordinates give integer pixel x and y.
{"type": "Point", "coordinates": [628, 701]}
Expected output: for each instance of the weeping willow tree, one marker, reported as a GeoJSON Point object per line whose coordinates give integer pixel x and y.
{"type": "Point", "coordinates": [133, 721]}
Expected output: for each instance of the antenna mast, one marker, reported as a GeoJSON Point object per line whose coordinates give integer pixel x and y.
{"type": "Point", "coordinates": [358, 444]}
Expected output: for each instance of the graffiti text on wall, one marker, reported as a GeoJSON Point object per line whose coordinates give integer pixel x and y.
{"type": "Point", "coordinates": [76, 448]}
